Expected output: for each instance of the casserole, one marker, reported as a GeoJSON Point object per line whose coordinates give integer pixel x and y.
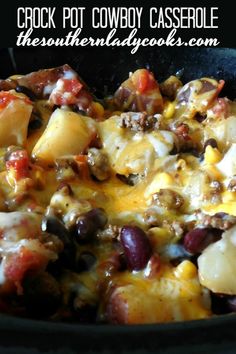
{"type": "Point", "coordinates": [193, 62]}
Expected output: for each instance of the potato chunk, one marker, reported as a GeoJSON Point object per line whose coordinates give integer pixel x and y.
{"type": "Point", "coordinates": [130, 151]}
{"type": "Point", "coordinates": [166, 298]}
{"type": "Point", "coordinates": [217, 264]}
{"type": "Point", "coordinates": [14, 119]}
{"type": "Point", "coordinates": [67, 133]}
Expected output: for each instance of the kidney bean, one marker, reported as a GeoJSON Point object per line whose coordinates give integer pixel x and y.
{"type": "Point", "coordinates": [196, 240]}
{"type": "Point", "coordinates": [136, 245]}
{"type": "Point", "coordinates": [88, 223]}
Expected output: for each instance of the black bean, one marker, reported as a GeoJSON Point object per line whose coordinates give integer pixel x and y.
{"type": "Point", "coordinates": [221, 215]}
{"type": "Point", "coordinates": [200, 117]}
{"type": "Point", "coordinates": [131, 179]}
{"type": "Point", "coordinates": [85, 261]}
{"type": "Point", "coordinates": [53, 225]}
{"type": "Point", "coordinates": [212, 142]}
{"type": "Point", "coordinates": [196, 240]}
{"type": "Point", "coordinates": [136, 245]}
{"type": "Point", "coordinates": [26, 91]}
{"type": "Point", "coordinates": [174, 151]}
{"type": "Point", "coordinates": [35, 123]}
{"type": "Point", "coordinates": [42, 295]}
{"type": "Point", "coordinates": [88, 223]}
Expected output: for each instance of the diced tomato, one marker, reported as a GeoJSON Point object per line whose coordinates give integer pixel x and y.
{"type": "Point", "coordinates": [73, 85]}
{"type": "Point", "coordinates": [65, 91]}
{"type": "Point", "coordinates": [19, 263]}
{"type": "Point", "coordinates": [6, 97]}
{"type": "Point", "coordinates": [144, 81]}
{"type": "Point", "coordinates": [18, 163]}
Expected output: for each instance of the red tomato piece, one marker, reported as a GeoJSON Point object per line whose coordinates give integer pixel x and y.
{"type": "Point", "coordinates": [19, 263]}
{"type": "Point", "coordinates": [144, 81]}
{"type": "Point", "coordinates": [73, 85]}
{"type": "Point", "coordinates": [19, 163]}
{"type": "Point", "coordinates": [5, 98]}
{"type": "Point", "coordinates": [66, 91]}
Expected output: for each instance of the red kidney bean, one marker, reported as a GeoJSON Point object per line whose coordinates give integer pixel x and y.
{"type": "Point", "coordinates": [195, 241]}
{"type": "Point", "coordinates": [136, 245]}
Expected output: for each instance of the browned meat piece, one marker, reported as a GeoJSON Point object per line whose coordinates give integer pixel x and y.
{"type": "Point", "coordinates": [110, 233]}
{"type": "Point", "coordinates": [43, 81]}
{"type": "Point", "coordinates": [168, 199]}
{"type": "Point", "coordinates": [66, 170]}
{"type": "Point", "coordinates": [62, 86]}
{"type": "Point", "coordinates": [183, 141]}
{"type": "Point", "coordinates": [6, 85]}
{"type": "Point", "coordinates": [170, 87]}
{"type": "Point", "coordinates": [139, 93]}
{"type": "Point", "coordinates": [220, 221]}
{"type": "Point", "coordinates": [98, 164]}
{"type": "Point", "coordinates": [139, 121]}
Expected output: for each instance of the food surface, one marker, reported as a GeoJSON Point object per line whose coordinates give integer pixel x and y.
{"type": "Point", "coordinates": [118, 210]}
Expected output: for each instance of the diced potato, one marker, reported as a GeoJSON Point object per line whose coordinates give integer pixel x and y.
{"type": "Point", "coordinates": [167, 298]}
{"type": "Point", "coordinates": [217, 264]}
{"type": "Point", "coordinates": [227, 166]}
{"type": "Point", "coordinates": [224, 131]}
{"type": "Point", "coordinates": [67, 133]}
{"type": "Point", "coordinates": [14, 120]}
{"type": "Point", "coordinates": [133, 152]}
